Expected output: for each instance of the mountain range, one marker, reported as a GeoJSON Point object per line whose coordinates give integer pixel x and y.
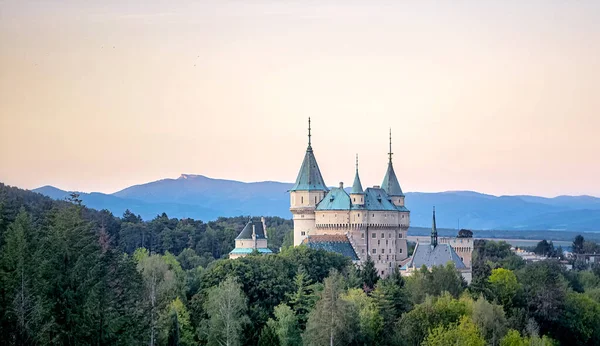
{"type": "Point", "coordinates": [200, 197]}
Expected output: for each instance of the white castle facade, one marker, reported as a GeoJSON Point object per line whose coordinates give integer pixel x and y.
{"type": "Point", "coordinates": [359, 223]}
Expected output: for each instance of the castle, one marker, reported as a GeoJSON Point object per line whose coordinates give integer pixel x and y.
{"type": "Point", "coordinates": [363, 222]}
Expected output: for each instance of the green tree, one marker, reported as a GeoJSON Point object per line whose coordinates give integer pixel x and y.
{"type": "Point", "coordinates": [303, 299]}
{"type": "Point", "coordinates": [268, 337]}
{"type": "Point", "coordinates": [504, 286]}
{"type": "Point", "coordinates": [513, 338]}
{"type": "Point", "coordinates": [175, 325]}
{"type": "Point", "coordinates": [392, 299]}
{"type": "Point", "coordinates": [580, 320]}
{"type": "Point", "coordinates": [544, 290]}
{"type": "Point", "coordinates": [285, 326]}
{"type": "Point", "coordinates": [464, 334]}
{"type": "Point", "coordinates": [370, 322]}
{"type": "Point", "coordinates": [226, 307]}
{"type": "Point", "coordinates": [413, 326]}
{"type": "Point", "coordinates": [330, 323]}
{"type": "Point", "coordinates": [369, 274]}
{"type": "Point", "coordinates": [17, 270]}
{"type": "Point", "coordinates": [161, 286]}
{"type": "Point", "coordinates": [578, 244]}
{"type": "Point", "coordinates": [490, 321]}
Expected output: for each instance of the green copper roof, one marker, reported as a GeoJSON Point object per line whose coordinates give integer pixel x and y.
{"type": "Point", "coordinates": [357, 186]}
{"type": "Point", "coordinates": [309, 178]}
{"type": "Point", "coordinates": [335, 199]}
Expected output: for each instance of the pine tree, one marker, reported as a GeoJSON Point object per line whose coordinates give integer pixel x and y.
{"type": "Point", "coordinates": [329, 323]}
{"type": "Point", "coordinates": [369, 274]}
{"type": "Point", "coordinates": [391, 298]}
{"type": "Point", "coordinates": [303, 300]}
{"type": "Point", "coordinates": [18, 270]}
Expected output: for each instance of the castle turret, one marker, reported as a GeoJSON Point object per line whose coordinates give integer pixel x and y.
{"type": "Point", "coordinates": [390, 181]}
{"type": "Point", "coordinates": [306, 193]}
{"type": "Point", "coordinates": [357, 194]}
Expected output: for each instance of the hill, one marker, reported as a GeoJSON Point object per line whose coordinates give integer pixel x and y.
{"type": "Point", "coordinates": [205, 198]}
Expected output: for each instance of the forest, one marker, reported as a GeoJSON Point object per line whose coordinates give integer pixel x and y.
{"type": "Point", "coordinates": [71, 275]}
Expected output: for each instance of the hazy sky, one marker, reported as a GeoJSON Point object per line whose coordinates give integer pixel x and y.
{"type": "Point", "coordinates": [499, 97]}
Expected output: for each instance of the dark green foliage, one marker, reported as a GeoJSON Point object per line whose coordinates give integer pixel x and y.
{"type": "Point", "coordinates": [75, 276]}
{"type": "Point", "coordinates": [368, 274]}
{"type": "Point", "coordinates": [268, 337]}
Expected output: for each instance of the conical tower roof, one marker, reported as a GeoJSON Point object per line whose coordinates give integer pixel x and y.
{"type": "Point", "coordinates": [309, 178]}
{"type": "Point", "coordinates": [390, 181]}
{"type": "Point", "coordinates": [357, 186]}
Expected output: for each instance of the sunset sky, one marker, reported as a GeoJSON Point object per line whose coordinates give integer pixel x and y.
{"type": "Point", "coordinates": [500, 97]}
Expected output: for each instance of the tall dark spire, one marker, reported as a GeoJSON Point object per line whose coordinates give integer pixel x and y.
{"type": "Point", "coordinates": [357, 186]}
{"type": "Point", "coordinates": [309, 146]}
{"type": "Point", "coordinates": [434, 234]}
{"type": "Point", "coordinates": [390, 181]}
{"type": "Point", "coordinates": [390, 152]}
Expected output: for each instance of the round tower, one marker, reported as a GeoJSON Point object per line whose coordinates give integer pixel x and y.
{"type": "Point", "coordinates": [306, 194]}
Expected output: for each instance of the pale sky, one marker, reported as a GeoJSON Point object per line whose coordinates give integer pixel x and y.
{"type": "Point", "coordinates": [500, 97]}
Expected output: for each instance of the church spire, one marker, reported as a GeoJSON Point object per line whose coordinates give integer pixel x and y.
{"type": "Point", "coordinates": [309, 178]}
{"type": "Point", "coordinates": [357, 186]}
{"type": "Point", "coordinates": [434, 234]}
{"type": "Point", "coordinates": [390, 181]}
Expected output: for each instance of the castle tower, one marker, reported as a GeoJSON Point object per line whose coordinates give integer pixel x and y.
{"type": "Point", "coordinates": [390, 181]}
{"type": "Point", "coordinates": [357, 193]}
{"type": "Point", "coordinates": [308, 191]}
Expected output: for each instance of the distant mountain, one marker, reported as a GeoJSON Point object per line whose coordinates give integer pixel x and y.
{"type": "Point", "coordinates": [206, 198]}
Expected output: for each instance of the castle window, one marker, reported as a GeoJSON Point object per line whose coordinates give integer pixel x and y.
{"type": "Point", "coordinates": [390, 251]}
{"type": "Point", "coordinates": [362, 236]}
{"type": "Point", "coordinates": [380, 260]}
{"type": "Point", "coordinates": [379, 242]}
{"type": "Point", "coordinates": [382, 250]}
{"type": "Point", "coordinates": [400, 251]}
{"type": "Point", "coordinates": [382, 235]}
{"type": "Point", "coordinates": [358, 215]}
{"type": "Point", "coordinates": [302, 200]}
{"type": "Point", "coordinates": [302, 233]}
{"type": "Point", "coordinates": [386, 242]}
{"type": "Point", "coordinates": [373, 235]}
{"type": "Point", "coordinates": [403, 216]}
{"type": "Point", "coordinates": [315, 199]}
{"type": "Point", "coordinates": [354, 199]}
{"type": "Point", "coordinates": [389, 235]}
{"type": "Point", "coordinates": [400, 235]}
{"type": "Point", "coordinates": [374, 251]}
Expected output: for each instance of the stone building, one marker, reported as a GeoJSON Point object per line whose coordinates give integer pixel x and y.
{"type": "Point", "coordinates": [373, 221]}
{"type": "Point", "coordinates": [433, 254]}
{"type": "Point", "coordinates": [253, 237]}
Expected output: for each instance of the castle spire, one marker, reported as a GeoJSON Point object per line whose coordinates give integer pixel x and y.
{"type": "Point", "coordinates": [357, 186]}
{"type": "Point", "coordinates": [434, 234]}
{"type": "Point", "coordinates": [309, 177]}
{"type": "Point", "coordinates": [390, 181]}
{"type": "Point", "coordinates": [390, 152]}
{"type": "Point", "coordinates": [309, 146]}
